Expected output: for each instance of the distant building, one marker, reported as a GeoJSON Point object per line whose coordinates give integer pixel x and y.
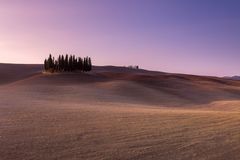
{"type": "Point", "coordinates": [133, 67]}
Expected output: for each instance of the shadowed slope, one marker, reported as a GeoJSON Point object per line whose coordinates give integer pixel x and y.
{"type": "Point", "coordinates": [14, 72]}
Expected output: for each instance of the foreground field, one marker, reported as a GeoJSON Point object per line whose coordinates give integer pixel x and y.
{"type": "Point", "coordinates": [112, 115]}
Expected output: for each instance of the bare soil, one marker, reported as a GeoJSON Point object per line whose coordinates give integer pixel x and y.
{"type": "Point", "coordinates": [117, 113]}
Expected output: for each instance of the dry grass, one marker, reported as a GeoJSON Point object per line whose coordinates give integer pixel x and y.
{"type": "Point", "coordinates": [69, 117]}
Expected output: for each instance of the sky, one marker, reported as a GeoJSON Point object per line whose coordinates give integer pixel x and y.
{"type": "Point", "coordinates": [179, 36]}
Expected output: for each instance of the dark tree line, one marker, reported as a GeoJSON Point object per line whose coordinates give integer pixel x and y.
{"type": "Point", "coordinates": [67, 64]}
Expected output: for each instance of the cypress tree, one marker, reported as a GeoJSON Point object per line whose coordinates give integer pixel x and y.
{"type": "Point", "coordinates": [84, 64]}
{"type": "Point", "coordinates": [73, 63]}
{"type": "Point", "coordinates": [70, 63]}
{"type": "Point", "coordinates": [45, 65]}
{"type": "Point", "coordinates": [66, 67]}
{"type": "Point", "coordinates": [76, 63]}
{"type": "Point", "coordinates": [50, 62]}
{"type": "Point", "coordinates": [59, 63]}
{"type": "Point", "coordinates": [80, 64]}
{"type": "Point", "coordinates": [53, 63]}
{"type": "Point", "coordinates": [62, 63]}
{"type": "Point", "coordinates": [89, 64]}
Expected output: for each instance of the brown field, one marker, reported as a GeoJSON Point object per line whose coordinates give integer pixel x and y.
{"type": "Point", "coordinates": [116, 113]}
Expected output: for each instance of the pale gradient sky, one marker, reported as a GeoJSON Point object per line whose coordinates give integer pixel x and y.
{"type": "Point", "coordinates": [185, 36]}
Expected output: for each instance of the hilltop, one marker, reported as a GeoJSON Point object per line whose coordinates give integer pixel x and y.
{"type": "Point", "coordinates": [135, 85]}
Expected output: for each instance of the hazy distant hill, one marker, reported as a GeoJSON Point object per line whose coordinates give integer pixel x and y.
{"type": "Point", "coordinates": [233, 77]}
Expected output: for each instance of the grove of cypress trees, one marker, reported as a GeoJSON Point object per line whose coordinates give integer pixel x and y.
{"type": "Point", "coordinates": [68, 64]}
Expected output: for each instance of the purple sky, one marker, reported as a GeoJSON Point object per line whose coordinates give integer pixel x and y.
{"type": "Point", "coordinates": [185, 36]}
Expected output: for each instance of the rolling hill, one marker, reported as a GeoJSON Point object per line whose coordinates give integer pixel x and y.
{"type": "Point", "coordinates": [117, 113]}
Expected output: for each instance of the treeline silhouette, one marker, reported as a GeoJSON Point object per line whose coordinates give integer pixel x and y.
{"type": "Point", "coordinates": [67, 64]}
